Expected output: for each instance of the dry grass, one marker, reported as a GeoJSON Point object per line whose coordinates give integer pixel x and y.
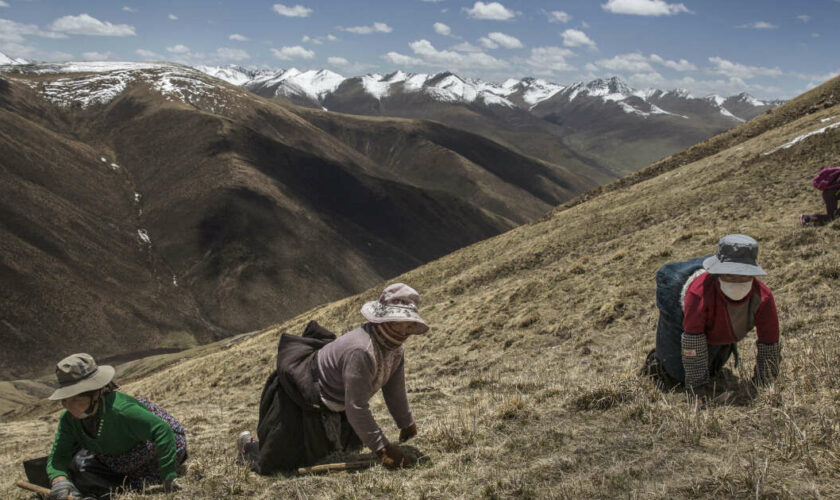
{"type": "Point", "coordinates": [526, 385]}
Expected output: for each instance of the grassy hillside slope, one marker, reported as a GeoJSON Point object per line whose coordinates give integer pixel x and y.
{"type": "Point", "coordinates": [526, 385]}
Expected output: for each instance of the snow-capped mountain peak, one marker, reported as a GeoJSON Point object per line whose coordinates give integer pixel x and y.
{"type": "Point", "coordinates": [4, 60]}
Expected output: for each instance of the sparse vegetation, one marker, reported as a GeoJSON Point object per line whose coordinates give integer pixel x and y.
{"type": "Point", "coordinates": [560, 411]}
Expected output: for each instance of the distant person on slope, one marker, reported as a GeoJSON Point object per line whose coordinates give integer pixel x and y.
{"type": "Point", "coordinates": [827, 181]}
{"type": "Point", "coordinates": [316, 402]}
{"type": "Point", "coordinates": [106, 440]}
{"type": "Point", "coordinates": [706, 306]}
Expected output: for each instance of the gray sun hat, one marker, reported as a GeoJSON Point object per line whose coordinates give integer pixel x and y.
{"type": "Point", "coordinates": [736, 254]}
{"type": "Point", "coordinates": [398, 302]}
{"type": "Point", "coordinates": [78, 373]}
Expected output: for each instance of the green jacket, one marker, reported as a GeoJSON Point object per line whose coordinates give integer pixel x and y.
{"type": "Point", "coordinates": [123, 424]}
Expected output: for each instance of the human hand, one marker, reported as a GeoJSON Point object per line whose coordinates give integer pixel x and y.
{"type": "Point", "coordinates": [171, 486]}
{"type": "Point", "coordinates": [392, 457]}
{"type": "Point", "coordinates": [64, 489]}
{"type": "Point", "coordinates": [408, 433]}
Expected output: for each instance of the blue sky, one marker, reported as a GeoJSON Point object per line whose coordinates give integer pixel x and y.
{"type": "Point", "coordinates": [768, 48]}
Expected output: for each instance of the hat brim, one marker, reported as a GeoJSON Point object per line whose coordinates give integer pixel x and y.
{"type": "Point", "coordinates": [715, 266]}
{"type": "Point", "coordinates": [104, 374]}
{"type": "Point", "coordinates": [385, 314]}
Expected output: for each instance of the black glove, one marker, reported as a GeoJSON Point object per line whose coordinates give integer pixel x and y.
{"type": "Point", "coordinates": [63, 489]}
{"type": "Point", "coordinates": [393, 458]}
{"type": "Point", "coordinates": [408, 433]}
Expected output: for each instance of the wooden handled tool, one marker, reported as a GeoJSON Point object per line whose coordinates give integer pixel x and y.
{"type": "Point", "coordinates": [323, 468]}
{"type": "Point", "coordinates": [38, 489]}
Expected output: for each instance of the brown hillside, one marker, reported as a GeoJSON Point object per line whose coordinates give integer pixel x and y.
{"type": "Point", "coordinates": [178, 209]}
{"type": "Point", "coordinates": [526, 385]}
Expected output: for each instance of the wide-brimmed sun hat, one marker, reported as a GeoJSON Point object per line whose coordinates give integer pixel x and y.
{"type": "Point", "coordinates": [736, 254]}
{"type": "Point", "coordinates": [398, 302]}
{"type": "Point", "coordinates": [79, 373]}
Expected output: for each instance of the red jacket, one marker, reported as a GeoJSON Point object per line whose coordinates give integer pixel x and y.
{"type": "Point", "coordinates": [709, 311]}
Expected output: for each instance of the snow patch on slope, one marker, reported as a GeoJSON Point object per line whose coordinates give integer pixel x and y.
{"type": "Point", "coordinates": [802, 138]}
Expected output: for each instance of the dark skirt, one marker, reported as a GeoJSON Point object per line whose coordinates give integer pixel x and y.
{"type": "Point", "coordinates": [295, 429]}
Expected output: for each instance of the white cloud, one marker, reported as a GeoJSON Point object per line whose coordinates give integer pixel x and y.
{"type": "Point", "coordinates": [442, 29]}
{"type": "Point", "coordinates": [296, 11]}
{"type": "Point", "coordinates": [466, 47]}
{"type": "Point", "coordinates": [148, 55]}
{"type": "Point", "coordinates": [178, 49]}
{"type": "Point", "coordinates": [576, 38]}
{"type": "Point", "coordinates": [14, 32]}
{"type": "Point", "coordinates": [126, 8]}
{"type": "Point", "coordinates": [558, 16]}
{"type": "Point", "coordinates": [290, 53]}
{"type": "Point", "coordinates": [681, 65]}
{"type": "Point", "coordinates": [741, 71]}
{"type": "Point", "coordinates": [309, 39]}
{"type": "Point", "coordinates": [584, 25]}
{"type": "Point", "coordinates": [428, 55]}
{"type": "Point", "coordinates": [3, 4]}
{"type": "Point", "coordinates": [402, 60]}
{"type": "Point", "coordinates": [487, 43]}
{"type": "Point", "coordinates": [238, 37]}
{"type": "Point", "coordinates": [172, 17]}
{"type": "Point", "coordinates": [591, 67]}
{"type": "Point", "coordinates": [493, 11]}
{"type": "Point", "coordinates": [804, 17]}
{"type": "Point", "coordinates": [644, 7]}
{"type": "Point", "coordinates": [332, 38]}
{"type": "Point", "coordinates": [506, 41]}
{"type": "Point", "coordinates": [367, 30]}
{"type": "Point", "coordinates": [338, 61]}
{"type": "Point", "coordinates": [758, 25]}
{"type": "Point", "coordinates": [551, 58]}
{"type": "Point", "coordinates": [635, 63]}
{"type": "Point", "coordinates": [84, 24]}
{"type": "Point", "coordinates": [228, 54]}
{"type": "Point", "coordinates": [651, 79]}
{"type": "Point", "coordinates": [97, 56]}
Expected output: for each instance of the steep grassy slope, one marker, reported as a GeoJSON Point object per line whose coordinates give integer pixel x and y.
{"type": "Point", "coordinates": [526, 385]}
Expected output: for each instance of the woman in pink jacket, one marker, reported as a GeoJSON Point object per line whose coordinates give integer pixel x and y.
{"type": "Point", "coordinates": [827, 181]}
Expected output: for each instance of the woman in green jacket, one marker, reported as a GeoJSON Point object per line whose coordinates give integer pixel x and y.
{"type": "Point", "coordinates": [107, 440]}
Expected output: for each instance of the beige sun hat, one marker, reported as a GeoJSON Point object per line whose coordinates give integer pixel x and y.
{"type": "Point", "coordinates": [398, 302]}
{"type": "Point", "coordinates": [79, 373]}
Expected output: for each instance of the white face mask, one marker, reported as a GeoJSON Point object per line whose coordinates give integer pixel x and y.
{"type": "Point", "coordinates": [735, 291]}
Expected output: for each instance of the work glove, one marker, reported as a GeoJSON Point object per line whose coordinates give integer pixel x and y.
{"type": "Point", "coordinates": [393, 458]}
{"type": "Point", "coordinates": [695, 359]}
{"type": "Point", "coordinates": [408, 433]}
{"type": "Point", "coordinates": [61, 490]}
{"type": "Point", "coordinates": [171, 486]}
{"type": "Point", "coordinates": [767, 360]}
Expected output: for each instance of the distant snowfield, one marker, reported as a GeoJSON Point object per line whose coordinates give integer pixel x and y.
{"type": "Point", "coordinates": [98, 83]}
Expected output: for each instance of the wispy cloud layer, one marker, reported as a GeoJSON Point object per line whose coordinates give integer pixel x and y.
{"type": "Point", "coordinates": [576, 38]}
{"type": "Point", "coordinates": [758, 25]}
{"type": "Point", "coordinates": [558, 16]}
{"type": "Point", "coordinates": [644, 7]}
{"type": "Point", "coordinates": [295, 11]}
{"type": "Point", "coordinates": [292, 53]}
{"type": "Point", "coordinates": [376, 27]}
{"type": "Point", "coordinates": [84, 24]}
{"type": "Point", "coordinates": [493, 11]}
